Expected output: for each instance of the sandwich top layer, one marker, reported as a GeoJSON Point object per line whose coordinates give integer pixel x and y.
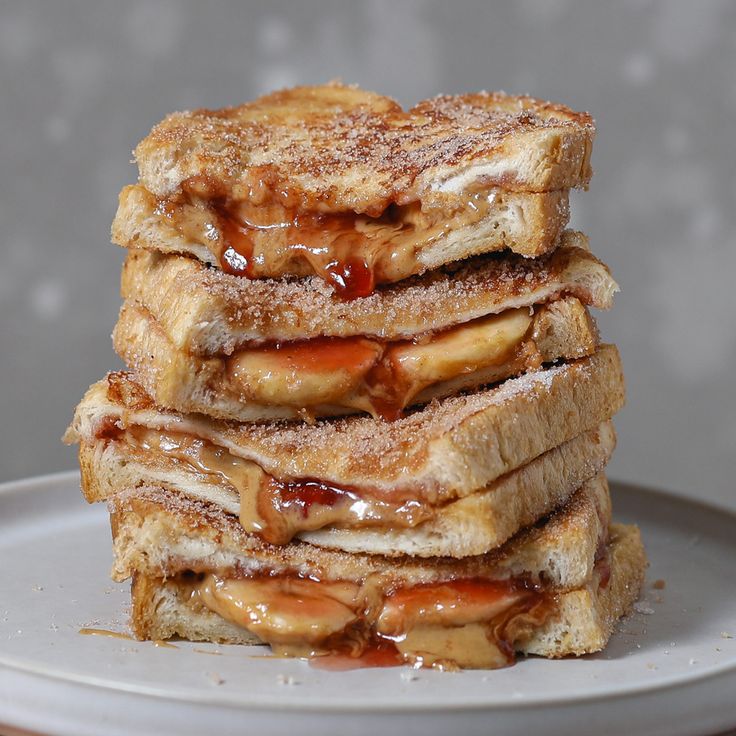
{"type": "Point", "coordinates": [344, 184]}
{"type": "Point", "coordinates": [448, 449]}
{"type": "Point", "coordinates": [207, 312]}
{"type": "Point", "coordinates": [336, 148]}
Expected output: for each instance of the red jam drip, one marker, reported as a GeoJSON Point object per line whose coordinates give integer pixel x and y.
{"type": "Point", "coordinates": [326, 243]}
{"type": "Point", "coordinates": [352, 278]}
{"type": "Point", "coordinates": [236, 257]}
{"type": "Point", "coordinates": [304, 494]}
{"type": "Point", "coordinates": [377, 654]}
{"type": "Point", "coordinates": [328, 354]}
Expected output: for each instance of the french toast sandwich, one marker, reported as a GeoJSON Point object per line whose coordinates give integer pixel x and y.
{"type": "Point", "coordinates": [458, 477]}
{"type": "Point", "coordinates": [367, 411]}
{"type": "Point", "coordinates": [554, 589]}
{"type": "Point", "coordinates": [345, 184]}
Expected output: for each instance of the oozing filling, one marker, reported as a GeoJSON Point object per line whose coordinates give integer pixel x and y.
{"type": "Point", "coordinates": [377, 377]}
{"type": "Point", "coordinates": [276, 510]}
{"type": "Point", "coordinates": [469, 622]}
{"type": "Point", "coordinates": [352, 252]}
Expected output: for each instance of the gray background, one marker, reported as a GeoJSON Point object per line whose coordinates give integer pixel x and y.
{"type": "Point", "coordinates": [81, 83]}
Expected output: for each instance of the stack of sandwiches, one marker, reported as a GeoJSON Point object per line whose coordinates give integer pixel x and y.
{"type": "Point", "coordinates": [367, 412]}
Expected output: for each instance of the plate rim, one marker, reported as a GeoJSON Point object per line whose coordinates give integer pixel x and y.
{"type": "Point", "coordinates": [280, 704]}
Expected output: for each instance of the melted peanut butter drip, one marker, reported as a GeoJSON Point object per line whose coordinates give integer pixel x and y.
{"type": "Point", "coordinates": [86, 631]}
{"type": "Point", "coordinates": [285, 509]}
{"type": "Point", "coordinates": [276, 510]}
{"type": "Point", "coordinates": [354, 253]}
{"type": "Point", "coordinates": [460, 623]}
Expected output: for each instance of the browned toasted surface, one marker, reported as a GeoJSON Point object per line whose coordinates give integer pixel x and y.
{"type": "Point", "coordinates": [461, 528]}
{"type": "Point", "coordinates": [206, 311]}
{"type": "Point", "coordinates": [587, 617]}
{"type": "Point", "coordinates": [338, 148]}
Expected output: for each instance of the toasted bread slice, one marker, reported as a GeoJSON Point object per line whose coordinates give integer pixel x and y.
{"type": "Point", "coordinates": [344, 184]}
{"type": "Point", "coordinates": [582, 623]}
{"type": "Point", "coordinates": [402, 245]}
{"type": "Point", "coordinates": [338, 148]}
{"type": "Point", "coordinates": [170, 548]}
{"type": "Point", "coordinates": [345, 376]}
{"type": "Point", "coordinates": [206, 312]}
{"type": "Point", "coordinates": [586, 618]}
{"type": "Point", "coordinates": [469, 526]}
{"type": "Point", "coordinates": [449, 449]}
{"type": "Point", "coordinates": [159, 533]}
{"type": "Point", "coordinates": [487, 518]}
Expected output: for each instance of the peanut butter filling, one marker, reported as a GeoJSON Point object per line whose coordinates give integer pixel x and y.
{"type": "Point", "coordinates": [275, 510]}
{"type": "Point", "coordinates": [352, 252]}
{"type": "Point", "coordinates": [458, 623]}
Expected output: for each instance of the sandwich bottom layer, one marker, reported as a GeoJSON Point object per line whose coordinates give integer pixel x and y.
{"type": "Point", "coordinates": [466, 622]}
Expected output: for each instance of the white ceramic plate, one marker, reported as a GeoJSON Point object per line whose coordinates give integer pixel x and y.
{"type": "Point", "coordinates": [670, 669]}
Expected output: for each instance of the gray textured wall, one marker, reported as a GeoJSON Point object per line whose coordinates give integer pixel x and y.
{"type": "Point", "coordinates": [81, 83]}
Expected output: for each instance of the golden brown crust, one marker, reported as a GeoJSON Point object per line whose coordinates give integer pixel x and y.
{"type": "Point", "coordinates": [339, 148]}
{"type": "Point", "coordinates": [487, 518]}
{"type": "Point", "coordinates": [205, 311]}
{"type": "Point", "coordinates": [586, 618]}
{"type": "Point", "coordinates": [449, 448]}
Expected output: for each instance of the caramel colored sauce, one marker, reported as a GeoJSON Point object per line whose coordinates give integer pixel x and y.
{"type": "Point", "coordinates": [158, 643]}
{"type": "Point", "coordinates": [236, 254]}
{"type": "Point", "coordinates": [105, 632]}
{"type": "Point", "coordinates": [328, 244]}
{"type": "Point", "coordinates": [376, 654]}
{"type": "Point", "coordinates": [339, 625]}
{"type": "Point", "coordinates": [284, 611]}
{"type": "Point", "coordinates": [285, 508]}
{"type": "Point", "coordinates": [352, 252]}
{"type": "Point", "coordinates": [199, 455]}
{"type": "Point", "coordinates": [277, 510]}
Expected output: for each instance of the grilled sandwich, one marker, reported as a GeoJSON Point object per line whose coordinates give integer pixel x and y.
{"type": "Point", "coordinates": [457, 478]}
{"type": "Point", "coordinates": [555, 589]}
{"type": "Point", "coordinates": [344, 184]}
